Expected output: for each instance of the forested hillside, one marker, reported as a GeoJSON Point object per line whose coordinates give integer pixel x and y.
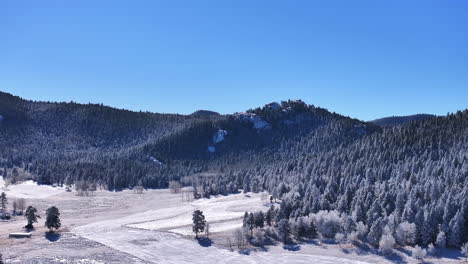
{"type": "Point", "coordinates": [410, 178]}
{"type": "Point", "coordinates": [398, 120]}
{"type": "Point", "coordinates": [67, 142]}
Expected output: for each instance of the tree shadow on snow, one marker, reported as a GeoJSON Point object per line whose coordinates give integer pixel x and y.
{"type": "Point", "coordinates": [448, 253]}
{"type": "Point", "coordinates": [292, 247]}
{"type": "Point", "coordinates": [404, 251]}
{"type": "Point", "coordinates": [205, 242]}
{"type": "Point", "coordinates": [395, 258]}
{"type": "Point", "coordinates": [52, 236]}
{"type": "Point", "coordinates": [245, 251]}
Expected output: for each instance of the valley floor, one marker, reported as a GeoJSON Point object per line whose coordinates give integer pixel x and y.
{"type": "Point", "coordinates": [155, 227]}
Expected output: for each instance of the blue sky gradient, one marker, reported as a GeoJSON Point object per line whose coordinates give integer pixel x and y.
{"type": "Point", "coordinates": [364, 59]}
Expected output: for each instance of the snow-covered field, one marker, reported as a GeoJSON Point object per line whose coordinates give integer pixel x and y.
{"type": "Point", "coordinates": [29, 189]}
{"type": "Point", "coordinates": [145, 235]}
{"type": "Point", "coordinates": [124, 227]}
{"type": "Point", "coordinates": [222, 213]}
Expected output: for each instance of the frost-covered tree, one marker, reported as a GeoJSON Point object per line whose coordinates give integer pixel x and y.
{"type": "Point", "coordinates": [441, 240]}
{"type": "Point", "coordinates": [405, 234]}
{"type": "Point", "coordinates": [419, 253]}
{"type": "Point", "coordinates": [456, 230]}
{"type": "Point", "coordinates": [239, 238]}
{"type": "Point", "coordinates": [386, 243]}
{"type": "Point", "coordinates": [431, 250]}
{"type": "Point", "coordinates": [375, 232]}
{"type": "Point", "coordinates": [283, 231]}
{"type": "Point", "coordinates": [328, 223]}
{"type": "Point", "coordinates": [270, 215]}
{"type": "Point", "coordinates": [259, 237]}
{"type": "Point", "coordinates": [339, 238]}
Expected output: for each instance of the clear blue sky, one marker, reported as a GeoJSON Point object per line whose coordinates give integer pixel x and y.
{"type": "Point", "coordinates": [365, 59]}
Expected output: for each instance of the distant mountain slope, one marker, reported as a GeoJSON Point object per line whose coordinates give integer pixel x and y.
{"type": "Point", "coordinates": [65, 142]}
{"type": "Point", "coordinates": [398, 120]}
{"type": "Point", "coordinates": [204, 113]}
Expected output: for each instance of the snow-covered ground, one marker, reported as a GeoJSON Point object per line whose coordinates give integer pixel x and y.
{"type": "Point", "coordinates": [29, 189]}
{"type": "Point", "coordinates": [145, 235]}
{"type": "Point", "coordinates": [219, 212]}
{"type": "Point", "coordinates": [125, 227]}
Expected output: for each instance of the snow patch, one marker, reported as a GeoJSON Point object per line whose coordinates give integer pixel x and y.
{"type": "Point", "coordinates": [153, 159]}
{"type": "Point", "coordinates": [211, 149]}
{"type": "Point", "coordinates": [1, 117]}
{"type": "Point", "coordinates": [219, 136]}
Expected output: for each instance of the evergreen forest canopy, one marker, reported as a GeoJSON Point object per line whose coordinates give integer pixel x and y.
{"type": "Point", "coordinates": [410, 172]}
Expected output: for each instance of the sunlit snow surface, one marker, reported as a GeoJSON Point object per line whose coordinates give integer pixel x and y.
{"type": "Point", "coordinates": [154, 235]}
{"type": "Point", "coordinates": [219, 136]}
{"type": "Point", "coordinates": [29, 189]}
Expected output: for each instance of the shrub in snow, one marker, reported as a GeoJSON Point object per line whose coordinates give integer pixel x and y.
{"type": "Point", "coordinates": [328, 223]}
{"type": "Point", "coordinates": [418, 252]}
{"type": "Point", "coordinates": [259, 238]}
{"type": "Point", "coordinates": [431, 250]}
{"type": "Point", "coordinates": [386, 243]}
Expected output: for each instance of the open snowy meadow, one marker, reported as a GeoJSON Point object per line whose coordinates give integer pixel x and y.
{"type": "Point", "coordinates": [156, 227]}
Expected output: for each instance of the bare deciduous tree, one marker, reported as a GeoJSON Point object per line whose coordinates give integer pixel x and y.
{"type": "Point", "coordinates": [138, 189]}
{"type": "Point", "coordinates": [240, 238]}
{"type": "Point", "coordinates": [21, 203]}
{"type": "Point", "coordinates": [174, 186]}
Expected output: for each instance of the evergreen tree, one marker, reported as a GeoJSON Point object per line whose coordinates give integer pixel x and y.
{"type": "Point", "coordinates": [283, 231]}
{"type": "Point", "coordinates": [375, 233]}
{"type": "Point", "coordinates": [3, 202]}
{"type": "Point", "coordinates": [199, 222]}
{"type": "Point", "coordinates": [52, 218]}
{"type": "Point", "coordinates": [270, 215]}
{"type": "Point", "coordinates": [31, 216]}
{"type": "Point", "coordinates": [441, 240]}
{"type": "Point", "coordinates": [456, 230]}
{"type": "Point", "coordinates": [259, 219]}
{"type": "Point", "coordinates": [245, 220]}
